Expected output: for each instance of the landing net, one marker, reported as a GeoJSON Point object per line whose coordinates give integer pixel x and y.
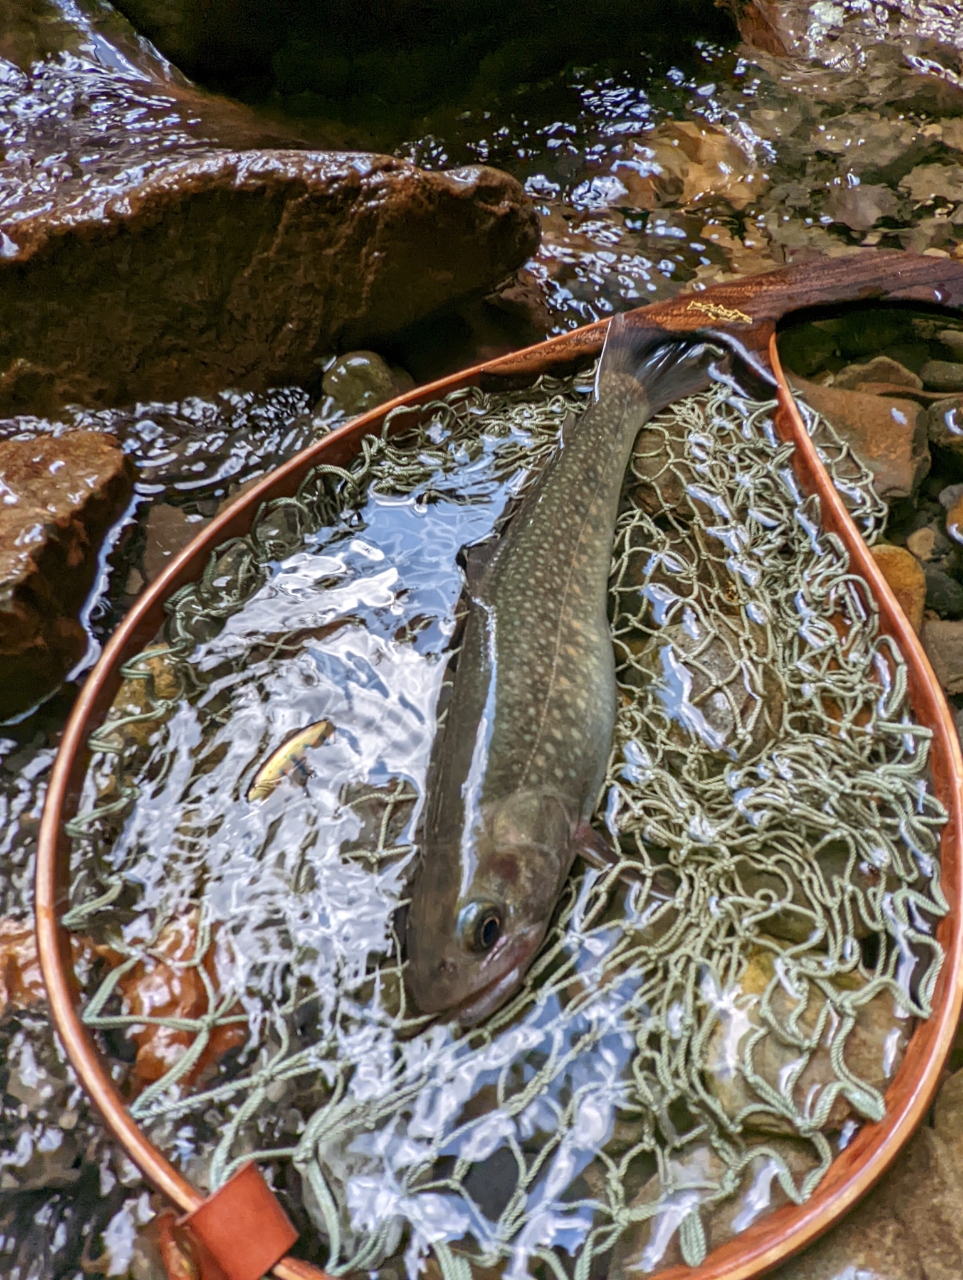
{"type": "Point", "coordinates": [708, 1021]}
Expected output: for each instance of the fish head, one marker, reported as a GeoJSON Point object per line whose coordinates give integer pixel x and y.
{"type": "Point", "coordinates": [470, 938]}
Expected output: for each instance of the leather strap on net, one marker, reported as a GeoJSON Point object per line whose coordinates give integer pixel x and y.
{"type": "Point", "coordinates": [238, 1233]}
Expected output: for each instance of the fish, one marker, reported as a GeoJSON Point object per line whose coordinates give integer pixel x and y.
{"type": "Point", "coordinates": [289, 759]}
{"type": "Point", "coordinates": [518, 764]}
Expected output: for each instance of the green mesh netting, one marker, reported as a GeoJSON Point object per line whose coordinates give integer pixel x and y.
{"type": "Point", "coordinates": [707, 1022]}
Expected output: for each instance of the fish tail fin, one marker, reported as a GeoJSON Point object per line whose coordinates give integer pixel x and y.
{"type": "Point", "coordinates": [667, 366]}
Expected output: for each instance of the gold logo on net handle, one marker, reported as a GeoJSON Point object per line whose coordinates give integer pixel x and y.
{"type": "Point", "coordinates": [716, 312]}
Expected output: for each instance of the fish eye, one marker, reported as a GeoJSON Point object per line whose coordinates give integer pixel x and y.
{"type": "Point", "coordinates": [479, 926]}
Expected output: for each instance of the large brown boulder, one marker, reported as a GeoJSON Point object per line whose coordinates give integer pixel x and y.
{"type": "Point", "coordinates": [160, 241]}
{"type": "Point", "coordinates": [242, 269]}
{"type": "Point", "coordinates": [58, 498]}
{"type": "Point", "coordinates": [887, 434]}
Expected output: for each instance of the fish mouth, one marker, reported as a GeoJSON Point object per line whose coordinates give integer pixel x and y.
{"type": "Point", "coordinates": [481, 1003]}
{"type": "Point", "coordinates": [507, 965]}
{"type": "Point", "coordinates": [519, 953]}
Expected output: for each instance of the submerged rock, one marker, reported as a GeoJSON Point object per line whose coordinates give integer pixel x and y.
{"type": "Point", "coordinates": [158, 242]}
{"type": "Point", "coordinates": [943, 642]}
{"type": "Point", "coordinates": [717, 689]}
{"type": "Point", "coordinates": [880, 369]}
{"type": "Point", "coordinates": [906, 576]}
{"type": "Point", "coordinates": [168, 530]}
{"type": "Point", "coordinates": [60, 497]}
{"type": "Point", "coordinates": [942, 375]}
{"type": "Point", "coordinates": [944, 594]}
{"type": "Point", "coordinates": [888, 435]}
{"type": "Point", "coordinates": [909, 1226]}
{"type": "Point", "coordinates": [361, 380]}
{"type": "Point", "coordinates": [686, 163]}
{"type": "Point", "coordinates": [793, 1056]}
{"type": "Point", "coordinates": [929, 545]}
{"type": "Point", "coordinates": [944, 424]}
{"type": "Point", "coordinates": [654, 1243]}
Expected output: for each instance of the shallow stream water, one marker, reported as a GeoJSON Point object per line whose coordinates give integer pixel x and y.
{"type": "Point", "coordinates": [852, 141]}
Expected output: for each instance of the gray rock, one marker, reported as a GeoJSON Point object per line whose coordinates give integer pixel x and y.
{"type": "Point", "coordinates": [950, 496]}
{"type": "Point", "coordinates": [943, 593]}
{"type": "Point", "coordinates": [943, 642]}
{"type": "Point", "coordinates": [942, 375]}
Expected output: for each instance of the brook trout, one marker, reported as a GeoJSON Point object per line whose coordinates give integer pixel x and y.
{"type": "Point", "coordinates": [517, 768]}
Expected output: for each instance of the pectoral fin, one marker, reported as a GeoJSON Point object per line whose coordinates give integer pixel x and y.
{"type": "Point", "coordinates": [594, 848]}
{"type": "Point", "coordinates": [475, 561]}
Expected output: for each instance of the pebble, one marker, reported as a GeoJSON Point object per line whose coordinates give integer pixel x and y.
{"type": "Point", "coordinates": [906, 576]}
{"type": "Point", "coordinates": [943, 642]}
{"type": "Point", "coordinates": [952, 338]}
{"type": "Point", "coordinates": [649, 1245]}
{"type": "Point", "coordinates": [954, 520]}
{"type": "Point", "coordinates": [944, 424]}
{"type": "Point", "coordinates": [949, 496]}
{"type": "Point", "coordinates": [942, 375]}
{"type": "Point", "coordinates": [943, 593]}
{"type": "Point", "coordinates": [929, 545]}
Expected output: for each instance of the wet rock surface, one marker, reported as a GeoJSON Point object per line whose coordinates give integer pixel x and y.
{"type": "Point", "coordinates": [907, 577]}
{"type": "Point", "coordinates": [886, 433]}
{"type": "Point", "coordinates": [835, 129]}
{"type": "Point", "coordinates": [60, 498]}
{"type": "Point", "coordinates": [242, 268]}
{"type": "Point", "coordinates": [156, 241]}
{"type": "Point", "coordinates": [796, 1043]}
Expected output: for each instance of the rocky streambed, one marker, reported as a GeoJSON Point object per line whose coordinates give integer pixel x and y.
{"type": "Point", "coordinates": [193, 286]}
